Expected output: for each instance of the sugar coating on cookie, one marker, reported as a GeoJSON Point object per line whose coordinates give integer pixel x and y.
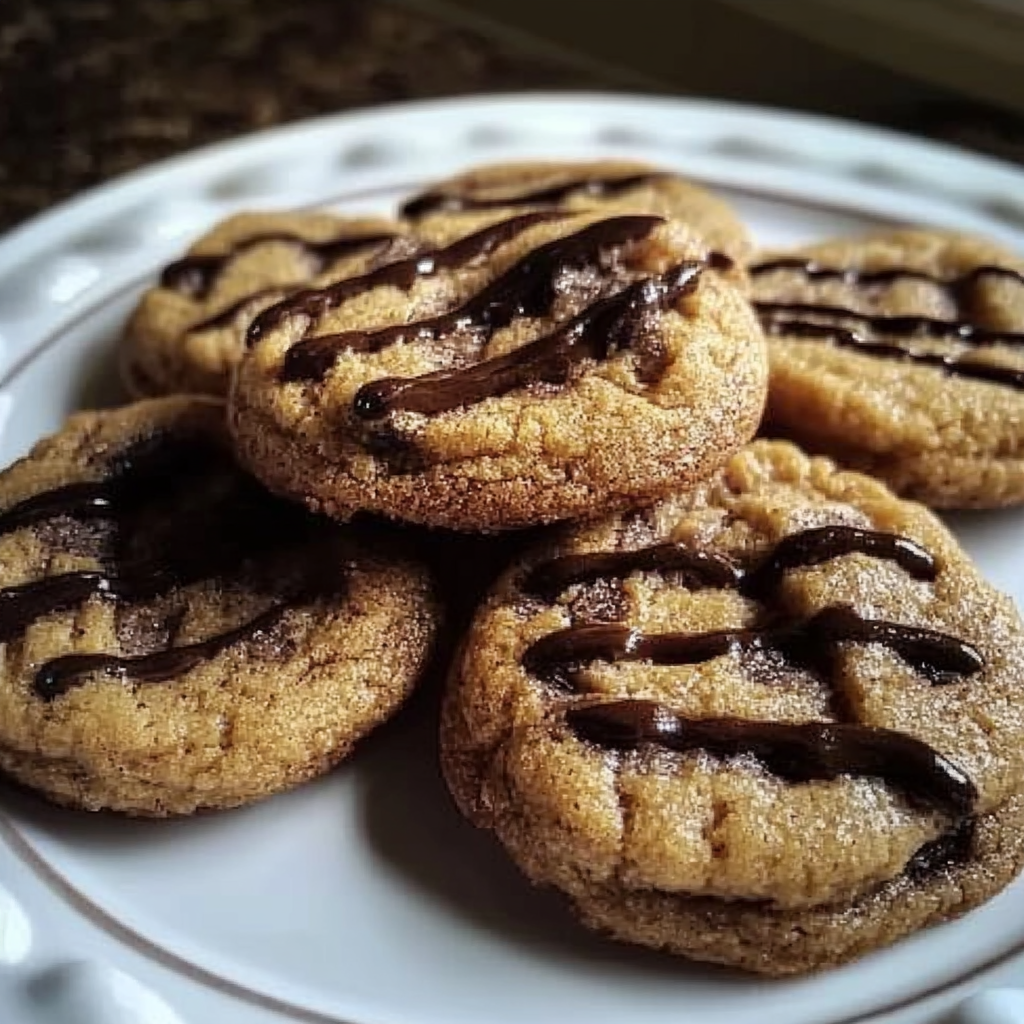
{"type": "Point", "coordinates": [175, 638]}
{"type": "Point", "coordinates": [186, 334]}
{"type": "Point", "coordinates": [524, 367]}
{"type": "Point", "coordinates": [902, 354]}
{"type": "Point", "coordinates": [774, 722]}
{"type": "Point", "coordinates": [602, 184]}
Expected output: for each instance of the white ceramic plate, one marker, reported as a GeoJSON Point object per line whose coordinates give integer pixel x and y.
{"type": "Point", "coordinates": [363, 898]}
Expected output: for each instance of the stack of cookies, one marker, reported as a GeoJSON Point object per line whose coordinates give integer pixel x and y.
{"type": "Point", "coordinates": [733, 700]}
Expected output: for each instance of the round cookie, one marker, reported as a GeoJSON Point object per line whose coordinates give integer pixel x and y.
{"type": "Point", "coordinates": [608, 185]}
{"type": "Point", "coordinates": [773, 723]}
{"type": "Point", "coordinates": [174, 638]}
{"type": "Point", "coordinates": [186, 334]}
{"type": "Point", "coordinates": [521, 369]}
{"type": "Point", "coordinates": [901, 354]}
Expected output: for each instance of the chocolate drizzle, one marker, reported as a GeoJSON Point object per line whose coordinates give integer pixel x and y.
{"type": "Point", "coordinates": [525, 289]}
{"type": "Point", "coordinates": [607, 326]}
{"type": "Point", "coordinates": [595, 186]}
{"type": "Point", "coordinates": [23, 604]}
{"type": "Point", "coordinates": [195, 276]}
{"type": "Point", "coordinates": [952, 847]}
{"type": "Point", "coordinates": [143, 472]}
{"type": "Point", "coordinates": [845, 338]}
{"type": "Point", "coordinates": [848, 328]}
{"type": "Point", "coordinates": [797, 753]}
{"type": "Point", "coordinates": [82, 501]}
{"type": "Point", "coordinates": [229, 314]}
{"type": "Point", "coordinates": [708, 569]}
{"type": "Point", "coordinates": [823, 543]}
{"type": "Point", "coordinates": [955, 287]}
{"type": "Point", "coordinates": [817, 750]}
{"type": "Point", "coordinates": [703, 568]}
{"type": "Point", "coordinates": [311, 358]}
{"type": "Point", "coordinates": [893, 326]}
{"type": "Point", "coordinates": [937, 655]}
{"type": "Point", "coordinates": [180, 511]}
{"type": "Point", "coordinates": [58, 676]}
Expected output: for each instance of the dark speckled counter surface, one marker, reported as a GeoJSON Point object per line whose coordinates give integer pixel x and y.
{"type": "Point", "coordinates": [92, 88]}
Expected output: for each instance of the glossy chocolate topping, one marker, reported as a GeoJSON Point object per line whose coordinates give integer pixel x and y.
{"type": "Point", "coordinates": [843, 338]}
{"type": "Point", "coordinates": [595, 186]}
{"type": "Point", "coordinates": [607, 326]}
{"type": "Point", "coordinates": [823, 543]}
{"type": "Point", "coordinates": [201, 557]}
{"type": "Point", "coordinates": [58, 676]}
{"type": "Point", "coordinates": [892, 326]}
{"type": "Point", "coordinates": [939, 656]}
{"type": "Point", "coordinates": [867, 333]}
{"type": "Point", "coordinates": [525, 289]}
{"type": "Point", "coordinates": [145, 470]}
{"type": "Point", "coordinates": [707, 569]}
{"type": "Point", "coordinates": [229, 314]}
{"type": "Point", "coordinates": [82, 501]}
{"type": "Point", "coordinates": [952, 847]}
{"type": "Point", "coordinates": [701, 568]}
{"type": "Point", "coordinates": [797, 753]}
{"type": "Point", "coordinates": [180, 511]}
{"type": "Point", "coordinates": [195, 276]}
{"type": "Point", "coordinates": [402, 274]}
{"type": "Point", "coordinates": [955, 287]}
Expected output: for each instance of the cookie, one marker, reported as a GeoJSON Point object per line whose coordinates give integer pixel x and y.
{"type": "Point", "coordinates": [520, 369]}
{"type": "Point", "coordinates": [186, 334]}
{"type": "Point", "coordinates": [773, 722]}
{"type": "Point", "coordinates": [174, 638]}
{"type": "Point", "coordinates": [613, 186]}
{"type": "Point", "coordinates": [902, 355]}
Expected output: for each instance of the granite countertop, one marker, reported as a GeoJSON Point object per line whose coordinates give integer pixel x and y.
{"type": "Point", "coordinates": [92, 88]}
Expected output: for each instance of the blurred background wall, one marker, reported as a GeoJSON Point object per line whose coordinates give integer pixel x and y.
{"type": "Point", "coordinates": [920, 64]}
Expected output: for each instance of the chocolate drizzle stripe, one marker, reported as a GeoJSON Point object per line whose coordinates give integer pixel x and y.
{"type": "Point", "coordinates": [892, 326]}
{"type": "Point", "coordinates": [129, 481]}
{"type": "Point", "coordinates": [941, 657]}
{"type": "Point", "coordinates": [954, 286]}
{"type": "Point", "coordinates": [401, 274]}
{"type": "Point", "coordinates": [823, 543]}
{"type": "Point", "coordinates": [705, 568]}
{"type": "Point", "coordinates": [952, 364]}
{"type": "Point", "coordinates": [229, 314]}
{"type": "Point", "coordinates": [525, 289]}
{"type": "Point", "coordinates": [195, 276]}
{"type": "Point", "coordinates": [549, 579]}
{"type": "Point", "coordinates": [842, 326]}
{"type": "Point", "coordinates": [797, 753]}
{"type": "Point", "coordinates": [238, 522]}
{"type": "Point", "coordinates": [82, 501]}
{"type": "Point", "coordinates": [816, 750]}
{"type": "Point", "coordinates": [596, 333]}
{"type": "Point", "coordinates": [59, 675]}
{"type": "Point", "coordinates": [21, 605]}
{"type": "Point", "coordinates": [952, 847]}
{"type": "Point", "coordinates": [595, 186]}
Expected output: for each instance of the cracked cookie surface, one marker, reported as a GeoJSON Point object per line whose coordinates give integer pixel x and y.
{"type": "Point", "coordinates": [174, 638]}
{"type": "Point", "coordinates": [772, 723]}
{"type": "Point", "coordinates": [524, 367]}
